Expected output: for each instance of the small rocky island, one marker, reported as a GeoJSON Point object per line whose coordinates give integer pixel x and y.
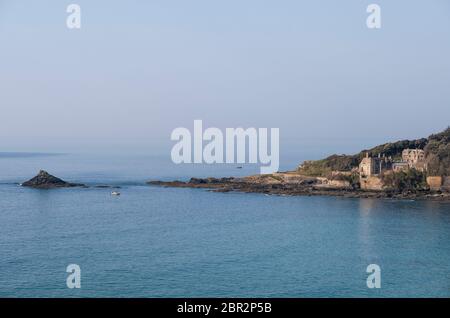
{"type": "Point", "coordinates": [407, 169]}
{"type": "Point", "coordinates": [44, 180]}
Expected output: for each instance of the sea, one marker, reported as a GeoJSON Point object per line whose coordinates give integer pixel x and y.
{"type": "Point", "coordinates": [172, 242]}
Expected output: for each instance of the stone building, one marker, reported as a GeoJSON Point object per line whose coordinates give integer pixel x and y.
{"type": "Point", "coordinates": [370, 169]}
{"type": "Point", "coordinates": [400, 166]}
{"type": "Point", "coordinates": [415, 158]}
{"type": "Point", "coordinates": [413, 155]}
{"type": "Point", "coordinates": [370, 166]}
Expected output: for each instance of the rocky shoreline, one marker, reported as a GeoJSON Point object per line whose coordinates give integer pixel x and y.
{"type": "Point", "coordinates": [295, 185]}
{"type": "Point", "coordinates": [288, 183]}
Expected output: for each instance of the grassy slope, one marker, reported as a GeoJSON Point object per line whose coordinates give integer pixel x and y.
{"type": "Point", "coordinates": [437, 151]}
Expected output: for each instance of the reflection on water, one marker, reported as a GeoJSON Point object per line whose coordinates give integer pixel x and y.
{"type": "Point", "coordinates": [366, 208]}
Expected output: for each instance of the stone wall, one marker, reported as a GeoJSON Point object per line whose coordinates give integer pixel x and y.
{"type": "Point", "coordinates": [434, 182]}
{"type": "Point", "coordinates": [372, 183]}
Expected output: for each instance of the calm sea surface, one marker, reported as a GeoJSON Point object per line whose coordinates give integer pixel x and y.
{"type": "Point", "coordinates": [162, 242]}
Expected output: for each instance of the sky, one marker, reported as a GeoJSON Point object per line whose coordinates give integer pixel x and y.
{"type": "Point", "coordinates": [136, 70]}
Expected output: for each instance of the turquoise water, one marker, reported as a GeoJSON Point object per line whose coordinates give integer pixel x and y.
{"type": "Point", "coordinates": [161, 242]}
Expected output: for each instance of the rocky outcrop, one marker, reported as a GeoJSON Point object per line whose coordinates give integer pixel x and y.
{"type": "Point", "coordinates": [44, 180]}
{"type": "Point", "coordinates": [295, 184]}
{"type": "Point", "coordinates": [333, 183]}
{"type": "Point", "coordinates": [210, 180]}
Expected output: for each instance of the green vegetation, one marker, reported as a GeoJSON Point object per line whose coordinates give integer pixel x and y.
{"type": "Point", "coordinates": [409, 180]}
{"type": "Point", "coordinates": [316, 168]}
{"type": "Point", "coordinates": [352, 178]}
{"type": "Point", "coordinates": [394, 149]}
{"type": "Point", "coordinates": [437, 155]}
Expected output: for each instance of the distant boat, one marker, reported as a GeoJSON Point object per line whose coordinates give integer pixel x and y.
{"type": "Point", "coordinates": [240, 167]}
{"type": "Point", "coordinates": [115, 193]}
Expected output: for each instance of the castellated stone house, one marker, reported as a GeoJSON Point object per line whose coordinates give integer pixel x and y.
{"type": "Point", "coordinates": [415, 158]}
{"type": "Point", "coordinates": [371, 168]}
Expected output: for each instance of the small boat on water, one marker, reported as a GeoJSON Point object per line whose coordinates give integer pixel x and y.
{"type": "Point", "coordinates": [115, 193]}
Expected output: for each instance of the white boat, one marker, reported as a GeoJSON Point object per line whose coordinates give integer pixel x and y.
{"type": "Point", "coordinates": [115, 193]}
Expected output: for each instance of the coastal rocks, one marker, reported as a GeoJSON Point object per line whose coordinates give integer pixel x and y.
{"type": "Point", "coordinates": [196, 183]}
{"type": "Point", "coordinates": [44, 180]}
{"type": "Point", "coordinates": [333, 184]}
{"type": "Point", "coordinates": [291, 185]}
{"type": "Point", "coordinates": [176, 183]}
{"type": "Point", "coordinates": [210, 180]}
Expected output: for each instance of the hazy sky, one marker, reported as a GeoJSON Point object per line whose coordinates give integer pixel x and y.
{"type": "Point", "coordinates": [138, 69]}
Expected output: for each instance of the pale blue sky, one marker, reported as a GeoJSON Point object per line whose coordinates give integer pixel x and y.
{"type": "Point", "coordinates": [138, 69]}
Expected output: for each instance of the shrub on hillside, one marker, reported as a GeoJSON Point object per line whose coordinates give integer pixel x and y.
{"type": "Point", "coordinates": [409, 180]}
